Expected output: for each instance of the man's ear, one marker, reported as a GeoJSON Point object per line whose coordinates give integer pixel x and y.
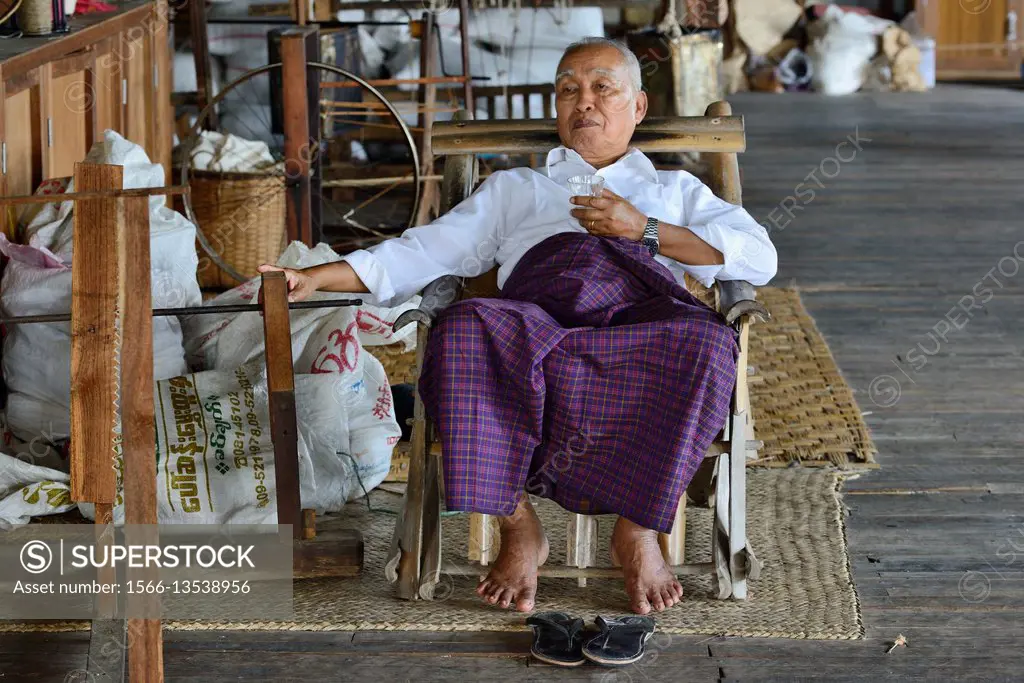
{"type": "Point", "coordinates": [641, 107]}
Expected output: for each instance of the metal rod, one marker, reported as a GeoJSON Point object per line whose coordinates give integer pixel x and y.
{"type": "Point", "coordinates": [190, 310]}
{"type": "Point", "coordinates": [375, 182]}
{"type": "Point", "coordinates": [98, 194]}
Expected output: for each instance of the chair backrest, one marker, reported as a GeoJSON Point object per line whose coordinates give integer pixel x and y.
{"type": "Point", "coordinates": [524, 100]}
{"type": "Point", "coordinates": [719, 134]}
{"type": "Point", "coordinates": [674, 134]}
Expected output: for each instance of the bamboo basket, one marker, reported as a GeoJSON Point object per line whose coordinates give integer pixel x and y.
{"type": "Point", "coordinates": [243, 217]}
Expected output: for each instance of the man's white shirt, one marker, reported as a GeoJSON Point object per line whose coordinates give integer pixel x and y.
{"type": "Point", "coordinates": [513, 211]}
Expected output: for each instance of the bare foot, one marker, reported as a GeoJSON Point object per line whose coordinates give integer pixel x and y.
{"type": "Point", "coordinates": [649, 583]}
{"type": "Point", "coordinates": [524, 547]}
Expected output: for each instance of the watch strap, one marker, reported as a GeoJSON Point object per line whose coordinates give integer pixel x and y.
{"type": "Point", "coordinates": [650, 237]}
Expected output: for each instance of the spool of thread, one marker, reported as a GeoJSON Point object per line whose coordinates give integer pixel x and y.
{"type": "Point", "coordinates": [35, 17]}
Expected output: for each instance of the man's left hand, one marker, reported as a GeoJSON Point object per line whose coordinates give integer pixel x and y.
{"type": "Point", "coordinates": [609, 216]}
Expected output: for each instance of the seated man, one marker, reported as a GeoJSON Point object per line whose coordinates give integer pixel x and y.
{"type": "Point", "coordinates": [595, 379]}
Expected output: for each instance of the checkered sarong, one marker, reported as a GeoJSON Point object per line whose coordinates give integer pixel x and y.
{"type": "Point", "coordinates": [595, 380]}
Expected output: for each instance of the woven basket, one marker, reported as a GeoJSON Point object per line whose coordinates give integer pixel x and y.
{"type": "Point", "coordinates": [400, 366]}
{"type": "Point", "coordinates": [243, 217]}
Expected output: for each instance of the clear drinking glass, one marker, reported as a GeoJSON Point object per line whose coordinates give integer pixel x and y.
{"type": "Point", "coordinates": [586, 185]}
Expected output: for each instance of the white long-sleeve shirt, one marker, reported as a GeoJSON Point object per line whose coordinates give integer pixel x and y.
{"type": "Point", "coordinates": [517, 209]}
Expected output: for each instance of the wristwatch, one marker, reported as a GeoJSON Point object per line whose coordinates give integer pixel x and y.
{"type": "Point", "coordinates": [650, 238]}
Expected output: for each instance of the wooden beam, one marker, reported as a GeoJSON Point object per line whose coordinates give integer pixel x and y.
{"type": "Point", "coordinates": [427, 100]}
{"type": "Point", "coordinates": [95, 194]}
{"type": "Point", "coordinates": [467, 88]}
{"type": "Point", "coordinates": [163, 118]}
{"type": "Point", "coordinates": [557, 572]}
{"type": "Point", "coordinates": [281, 389]}
{"type": "Point", "coordinates": [295, 104]}
{"type": "Point", "coordinates": [145, 648]}
{"type": "Point", "coordinates": [95, 282]}
{"type": "Point", "coordinates": [674, 134]}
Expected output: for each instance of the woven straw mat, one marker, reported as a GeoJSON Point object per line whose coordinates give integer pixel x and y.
{"type": "Point", "coordinates": [795, 525]}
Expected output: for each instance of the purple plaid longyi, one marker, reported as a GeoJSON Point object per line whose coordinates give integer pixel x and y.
{"type": "Point", "coordinates": [595, 380]}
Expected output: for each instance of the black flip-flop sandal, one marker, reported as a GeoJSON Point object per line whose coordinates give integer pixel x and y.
{"type": "Point", "coordinates": [557, 638]}
{"type": "Point", "coordinates": [621, 640]}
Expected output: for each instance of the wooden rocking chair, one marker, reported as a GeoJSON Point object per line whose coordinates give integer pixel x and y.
{"type": "Point", "coordinates": [415, 560]}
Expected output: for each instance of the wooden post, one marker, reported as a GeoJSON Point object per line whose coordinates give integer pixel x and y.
{"type": "Point", "coordinates": [297, 148]}
{"type": "Point", "coordinates": [427, 102]}
{"type": "Point", "coordinates": [111, 276]}
{"type": "Point", "coordinates": [201, 56]}
{"type": "Point", "coordinates": [281, 390]}
{"type": "Point", "coordinates": [95, 283]}
{"type": "Point", "coordinates": [145, 646]}
{"type": "Point", "coordinates": [467, 87]}
{"type": "Point", "coordinates": [333, 553]}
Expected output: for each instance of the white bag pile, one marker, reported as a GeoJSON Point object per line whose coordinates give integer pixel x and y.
{"type": "Point", "coordinates": [842, 52]}
{"type": "Point", "coordinates": [37, 280]}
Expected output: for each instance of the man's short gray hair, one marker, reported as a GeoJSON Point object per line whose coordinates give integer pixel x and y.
{"type": "Point", "coordinates": [632, 63]}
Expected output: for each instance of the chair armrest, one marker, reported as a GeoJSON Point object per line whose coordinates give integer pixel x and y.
{"type": "Point", "coordinates": [436, 297]}
{"type": "Point", "coordinates": [736, 300]}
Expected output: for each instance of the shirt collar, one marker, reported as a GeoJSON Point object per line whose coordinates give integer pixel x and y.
{"type": "Point", "coordinates": [563, 162]}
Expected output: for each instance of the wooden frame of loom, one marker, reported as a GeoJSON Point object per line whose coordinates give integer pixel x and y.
{"type": "Point", "coordinates": [112, 365]}
{"type": "Point", "coordinates": [415, 559]}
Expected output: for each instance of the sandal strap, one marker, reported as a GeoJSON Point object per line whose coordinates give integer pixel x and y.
{"type": "Point", "coordinates": [627, 624]}
{"type": "Point", "coordinates": [568, 632]}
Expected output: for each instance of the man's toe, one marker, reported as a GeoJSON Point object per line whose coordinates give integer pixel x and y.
{"type": "Point", "coordinates": [656, 600]}
{"type": "Point", "coordinates": [525, 599]}
{"type": "Point", "coordinates": [484, 587]}
{"type": "Point", "coordinates": [507, 596]}
{"type": "Point", "coordinates": [639, 603]}
{"type": "Point", "coordinates": [668, 596]}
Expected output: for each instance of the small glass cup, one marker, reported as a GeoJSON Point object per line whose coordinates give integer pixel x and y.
{"type": "Point", "coordinates": [586, 185]}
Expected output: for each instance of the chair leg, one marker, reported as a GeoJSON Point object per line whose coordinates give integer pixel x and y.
{"type": "Point", "coordinates": [720, 543]}
{"type": "Point", "coordinates": [581, 543]}
{"type": "Point", "coordinates": [407, 556]}
{"type": "Point", "coordinates": [484, 538]}
{"type": "Point", "coordinates": [673, 545]}
{"type": "Point", "coordinates": [430, 568]}
{"type": "Point", "coordinates": [738, 507]}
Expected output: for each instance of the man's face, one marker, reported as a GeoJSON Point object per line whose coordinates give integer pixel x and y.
{"type": "Point", "coordinates": [597, 109]}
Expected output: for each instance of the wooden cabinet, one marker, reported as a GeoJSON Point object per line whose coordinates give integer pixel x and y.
{"type": "Point", "coordinates": [58, 95]}
{"type": "Point", "coordinates": [974, 38]}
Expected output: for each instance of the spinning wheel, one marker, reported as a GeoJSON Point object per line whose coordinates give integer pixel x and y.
{"type": "Point", "coordinates": [253, 107]}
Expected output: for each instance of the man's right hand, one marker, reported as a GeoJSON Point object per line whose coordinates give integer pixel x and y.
{"type": "Point", "coordinates": [300, 283]}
